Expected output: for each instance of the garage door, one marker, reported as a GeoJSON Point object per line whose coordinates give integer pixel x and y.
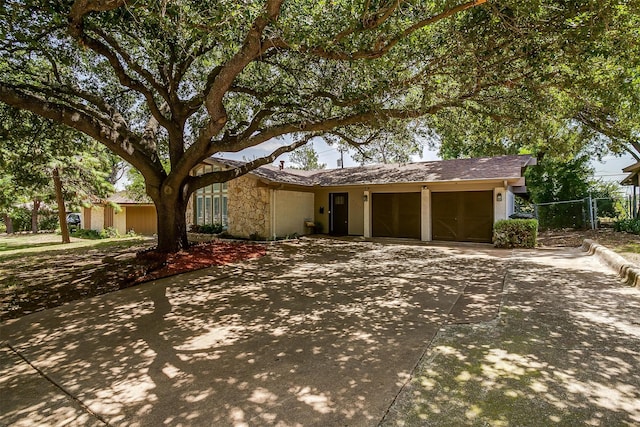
{"type": "Point", "coordinates": [142, 219]}
{"type": "Point", "coordinates": [462, 216]}
{"type": "Point", "coordinates": [395, 215]}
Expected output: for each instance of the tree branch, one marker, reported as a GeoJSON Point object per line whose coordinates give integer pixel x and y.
{"type": "Point", "coordinates": [376, 51]}
{"type": "Point", "coordinates": [149, 78]}
{"type": "Point", "coordinates": [77, 31]}
{"type": "Point", "coordinates": [117, 138]}
{"type": "Point", "coordinates": [227, 175]}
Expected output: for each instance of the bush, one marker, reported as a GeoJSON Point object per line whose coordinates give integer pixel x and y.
{"type": "Point", "coordinates": [628, 225]}
{"type": "Point", "coordinates": [515, 233]}
{"type": "Point", "coordinates": [81, 233]}
{"type": "Point", "coordinates": [48, 221]}
{"type": "Point", "coordinates": [21, 218]}
{"type": "Point", "coordinates": [207, 228]}
{"type": "Point", "coordinates": [109, 232]}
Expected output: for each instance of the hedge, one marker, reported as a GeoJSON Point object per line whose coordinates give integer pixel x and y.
{"type": "Point", "coordinates": [215, 228]}
{"type": "Point", "coordinates": [515, 233]}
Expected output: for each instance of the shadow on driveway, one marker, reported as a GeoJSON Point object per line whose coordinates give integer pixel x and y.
{"type": "Point", "coordinates": [564, 351]}
{"type": "Point", "coordinates": [319, 332]}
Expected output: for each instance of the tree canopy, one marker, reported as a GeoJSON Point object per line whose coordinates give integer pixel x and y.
{"type": "Point", "coordinates": [306, 158]}
{"type": "Point", "coordinates": [189, 79]}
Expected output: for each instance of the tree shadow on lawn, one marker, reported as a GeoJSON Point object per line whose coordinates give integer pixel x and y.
{"type": "Point", "coordinates": [53, 278]}
{"type": "Point", "coordinates": [10, 247]}
{"type": "Point", "coordinates": [317, 333]}
{"type": "Point", "coordinates": [564, 351]}
{"type": "Point", "coordinates": [37, 281]}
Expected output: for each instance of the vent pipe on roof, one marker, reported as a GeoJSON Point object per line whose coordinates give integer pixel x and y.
{"type": "Point", "coordinates": [281, 164]}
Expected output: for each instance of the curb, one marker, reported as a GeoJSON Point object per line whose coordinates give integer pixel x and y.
{"type": "Point", "coordinates": [628, 272]}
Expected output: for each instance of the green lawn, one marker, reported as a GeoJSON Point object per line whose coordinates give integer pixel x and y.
{"type": "Point", "coordinates": [38, 272]}
{"type": "Point", "coordinates": [21, 244]}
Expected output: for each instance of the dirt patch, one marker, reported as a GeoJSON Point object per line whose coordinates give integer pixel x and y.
{"type": "Point", "coordinates": [625, 244]}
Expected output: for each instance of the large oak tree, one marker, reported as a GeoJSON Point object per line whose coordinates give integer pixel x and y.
{"type": "Point", "coordinates": [195, 78]}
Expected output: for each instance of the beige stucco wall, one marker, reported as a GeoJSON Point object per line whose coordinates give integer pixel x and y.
{"type": "Point", "coordinates": [290, 210]}
{"type": "Point", "coordinates": [120, 220]}
{"type": "Point", "coordinates": [249, 208]}
{"type": "Point", "coordinates": [500, 208]}
{"type": "Point", "coordinates": [97, 218]}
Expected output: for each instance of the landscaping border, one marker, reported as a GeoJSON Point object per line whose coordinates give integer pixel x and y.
{"type": "Point", "coordinates": [628, 272]}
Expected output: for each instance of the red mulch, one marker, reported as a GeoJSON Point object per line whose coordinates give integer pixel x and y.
{"type": "Point", "coordinates": [196, 257]}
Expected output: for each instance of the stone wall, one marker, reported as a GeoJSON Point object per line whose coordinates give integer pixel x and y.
{"type": "Point", "coordinates": [249, 208]}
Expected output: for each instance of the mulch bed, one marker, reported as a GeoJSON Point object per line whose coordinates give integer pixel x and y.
{"type": "Point", "coordinates": [202, 255]}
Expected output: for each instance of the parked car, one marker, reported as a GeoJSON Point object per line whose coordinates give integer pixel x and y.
{"type": "Point", "coordinates": [74, 220]}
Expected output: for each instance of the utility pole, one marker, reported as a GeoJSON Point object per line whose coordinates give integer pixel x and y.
{"type": "Point", "coordinates": [341, 161]}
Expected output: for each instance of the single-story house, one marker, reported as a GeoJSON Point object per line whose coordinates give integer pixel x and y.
{"type": "Point", "coordinates": [457, 200]}
{"type": "Point", "coordinates": [133, 215]}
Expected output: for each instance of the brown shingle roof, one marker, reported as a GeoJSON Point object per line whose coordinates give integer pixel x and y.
{"type": "Point", "coordinates": [487, 168]}
{"type": "Point", "coordinates": [274, 174]}
{"type": "Point", "coordinates": [125, 198]}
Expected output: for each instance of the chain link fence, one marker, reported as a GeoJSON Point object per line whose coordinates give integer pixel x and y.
{"type": "Point", "coordinates": [586, 213]}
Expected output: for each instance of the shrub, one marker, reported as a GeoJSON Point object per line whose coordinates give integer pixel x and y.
{"type": "Point", "coordinates": [215, 228]}
{"type": "Point", "coordinates": [21, 218]}
{"type": "Point", "coordinates": [109, 232]}
{"type": "Point", "coordinates": [81, 233]}
{"type": "Point", "coordinates": [515, 233]}
{"type": "Point", "coordinates": [48, 221]}
{"type": "Point", "coordinates": [628, 225]}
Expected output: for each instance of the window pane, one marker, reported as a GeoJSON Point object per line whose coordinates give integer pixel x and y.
{"type": "Point", "coordinates": [207, 215]}
{"type": "Point", "coordinates": [224, 211]}
{"type": "Point", "coordinates": [216, 208]}
{"type": "Point", "coordinates": [199, 213]}
{"type": "Point", "coordinates": [216, 186]}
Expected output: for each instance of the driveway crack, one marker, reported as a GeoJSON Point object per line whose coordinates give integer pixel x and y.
{"type": "Point", "coordinates": [58, 386]}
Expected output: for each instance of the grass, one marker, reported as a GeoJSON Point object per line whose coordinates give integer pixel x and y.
{"type": "Point", "coordinates": [22, 244]}
{"type": "Point", "coordinates": [25, 241]}
{"type": "Point", "coordinates": [631, 247]}
{"type": "Point", "coordinates": [38, 271]}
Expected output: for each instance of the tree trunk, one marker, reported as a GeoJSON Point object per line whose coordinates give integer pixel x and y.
{"type": "Point", "coordinates": [172, 225]}
{"type": "Point", "coordinates": [62, 212]}
{"type": "Point", "coordinates": [34, 216]}
{"type": "Point", "coordinates": [8, 222]}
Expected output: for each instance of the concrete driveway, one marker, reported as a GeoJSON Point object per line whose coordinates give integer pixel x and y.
{"type": "Point", "coordinates": [320, 332]}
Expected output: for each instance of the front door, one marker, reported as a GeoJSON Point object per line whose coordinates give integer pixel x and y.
{"type": "Point", "coordinates": [339, 213]}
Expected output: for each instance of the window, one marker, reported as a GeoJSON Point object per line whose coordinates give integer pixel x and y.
{"type": "Point", "coordinates": [211, 201]}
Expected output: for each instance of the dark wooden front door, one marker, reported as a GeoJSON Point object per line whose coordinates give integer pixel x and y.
{"type": "Point", "coordinates": [339, 213]}
{"type": "Point", "coordinates": [465, 216]}
{"type": "Point", "coordinates": [396, 215]}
